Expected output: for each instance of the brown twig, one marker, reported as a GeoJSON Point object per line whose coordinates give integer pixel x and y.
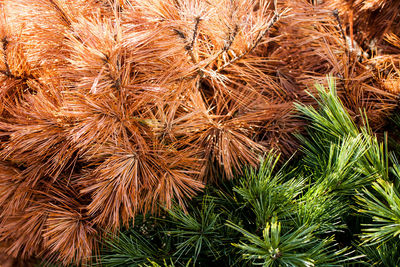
{"type": "Point", "coordinates": [195, 32]}
{"type": "Point", "coordinates": [180, 34]}
{"type": "Point", "coordinates": [231, 38]}
{"type": "Point", "coordinates": [335, 13]}
{"type": "Point", "coordinates": [7, 72]}
{"type": "Point", "coordinates": [337, 17]}
{"type": "Point", "coordinates": [61, 12]}
{"type": "Point", "coordinates": [228, 43]}
{"type": "Point", "coordinates": [261, 35]}
{"type": "Point", "coordinates": [190, 46]}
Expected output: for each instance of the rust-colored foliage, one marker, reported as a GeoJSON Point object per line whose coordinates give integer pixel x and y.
{"type": "Point", "coordinates": [369, 21]}
{"type": "Point", "coordinates": [113, 108]}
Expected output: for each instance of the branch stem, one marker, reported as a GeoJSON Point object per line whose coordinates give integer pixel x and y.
{"type": "Point", "coordinates": [7, 72]}
{"type": "Point", "coordinates": [261, 35]}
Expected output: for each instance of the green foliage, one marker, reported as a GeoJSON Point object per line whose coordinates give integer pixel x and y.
{"type": "Point", "coordinates": [129, 250]}
{"type": "Point", "coordinates": [197, 231]}
{"type": "Point", "coordinates": [340, 173]}
{"type": "Point", "coordinates": [384, 255]}
{"type": "Point", "coordinates": [297, 247]}
{"type": "Point", "coordinates": [331, 119]}
{"type": "Point", "coordinates": [382, 203]}
{"type": "Point", "coordinates": [266, 192]}
{"type": "Point", "coordinates": [166, 264]}
{"type": "Point", "coordinates": [316, 207]}
{"type": "Point", "coordinates": [331, 124]}
{"type": "Point", "coordinates": [136, 246]}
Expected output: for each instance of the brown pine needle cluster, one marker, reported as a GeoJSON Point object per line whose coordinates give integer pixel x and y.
{"type": "Point", "coordinates": [113, 108]}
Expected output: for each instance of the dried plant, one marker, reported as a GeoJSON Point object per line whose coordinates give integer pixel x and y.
{"type": "Point", "coordinates": [114, 108]}
{"type": "Point", "coordinates": [369, 21]}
